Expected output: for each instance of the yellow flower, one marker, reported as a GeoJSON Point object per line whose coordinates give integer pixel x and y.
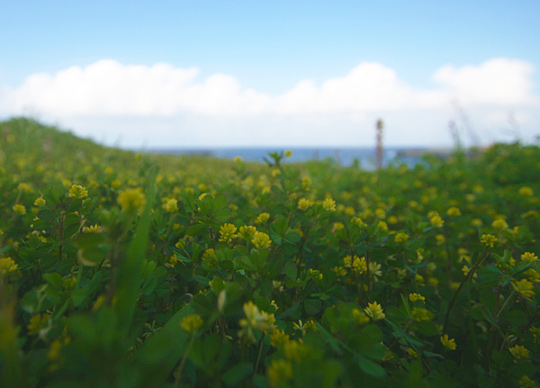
{"type": "Point", "coordinates": [279, 372]}
{"type": "Point", "coordinates": [357, 221]}
{"type": "Point", "coordinates": [262, 218]}
{"type": "Point", "coordinates": [488, 240]}
{"type": "Point", "coordinates": [306, 183]}
{"type": "Point", "coordinates": [170, 206]}
{"type": "Point", "coordinates": [288, 153]}
{"type": "Point", "coordinates": [382, 226]}
{"type": "Point", "coordinates": [359, 266]}
{"type": "Point", "coordinates": [527, 382]}
{"type": "Point", "coordinates": [278, 338]}
{"type": "Point", "coordinates": [92, 229]}
{"type": "Point", "coordinates": [413, 297]}
{"type": "Point", "coordinates": [374, 268]}
{"type": "Point", "coordinates": [476, 222]}
{"type": "Point", "coordinates": [132, 200]}
{"type": "Point", "coordinates": [261, 240]}
{"type": "Point", "coordinates": [375, 311]}
{"type": "Point", "coordinates": [7, 265]}
{"type": "Point", "coordinates": [247, 232]}
{"type": "Point", "coordinates": [421, 314]}
{"type": "Point", "coordinates": [238, 159]}
{"type": "Point", "coordinates": [528, 257]}
{"type": "Point", "coordinates": [315, 274]}
{"type": "Point", "coordinates": [191, 323]}
{"type": "Point", "coordinates": [532, 275]}
{"type": "Point", "coordinates": [448, 343]}
{"type": "Point", "coordinates": [227, 233]}
{"type": "Point", "coordinates": [380, 213]}
{"type": "Point", "coordinates": [453, 212]}
{"type": "Point", "coordinates": [419, 279]}
{"type": "Point", "coordinates": [401, 237]}
{"type": "Point", "coordinates": [329, 205]}
{"type": "Point", "coordinates": [78, 192]}
{"type": "Point", "coordinates": [519, 352]}
{"type": "Point", "coordinates": [39, 202]}
{"type": "Point", "coordinates": [296, 351]}
{"type": "Point", "coordinates": [499, 223]}
{"type": "Point", "coordinates": [256, 320]}
{"type": "Point", "coordinates": [338, 225]}
{"type": "Point", "coordinates": [23, 186]}
{"type": "Point", "coordinates": [436, 221]}
{"type": "Point", "coordinates": [19, 209]}
{"type": "Point", "coordinates": [412, 353]}
{"type": "Point", "coordinates": [304, 204]}
{"type": "Point", "coordinates": [209, 254]}
{"type": "Point", "coordinates": [524, 287]}
{"type": "Point", "coordinates": [37, 322]}
{"type": "Point", "coordinates": [526, 192]}
{"type": "Point", "coordinates": [360, 317]}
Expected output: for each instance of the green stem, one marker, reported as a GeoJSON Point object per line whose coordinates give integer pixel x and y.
{"type": "Point", "coordinates": [178, 372]}
{"type": "Point", "coordinates": [463, 282]}
{"type": "Point", "coordinates": [261, 343]}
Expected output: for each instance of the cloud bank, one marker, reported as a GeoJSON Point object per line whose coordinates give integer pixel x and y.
{"type": "Point", "coordinates": [154, 104]}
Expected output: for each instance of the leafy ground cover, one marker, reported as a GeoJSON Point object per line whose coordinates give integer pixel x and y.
{"type": "Point", "coordinates": [125, 270]}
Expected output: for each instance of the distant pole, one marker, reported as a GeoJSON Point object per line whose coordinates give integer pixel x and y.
{"type": "Point", "coordinates": [379, 147]}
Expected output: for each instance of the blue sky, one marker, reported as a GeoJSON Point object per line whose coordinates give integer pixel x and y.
{"type": "Point", "coordinates": [210, 73]}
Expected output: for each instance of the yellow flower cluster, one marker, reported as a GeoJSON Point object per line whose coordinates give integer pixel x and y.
{"type": "Point", "coordinates": [526, 382]}
{"type": "Point", "coordinates": [191, 323]}
{"type": "Point", "coordinates": [261, 240]}
{"type": "Point", "coordinates": [92, 229]}
{"type": "Point", "coordinates": [528, 257]}
{"type": "Point", "coordinates": [436, 221]}
{"type": "Point", "coordinates": [247, 232]}
{"type": "Point", "coordinates": [520, 352]}
{"type": "Point", "coordinates": [304, 204]}
{"type": "Point", "coordinates": [262, 218]}
{"type": "Point", "coordinates": [524, 288]}
{"type": "Point", "coordinates": [526, 192]}
{"type": "Point", "coordinates": [488, 240]}
{"type": "Point", "coordinates": [39, 202]}
{"type": "Point", "coordinates": [448, 343]}
{"type": "Point", "coordinates": [453, 212]}
{"type": "Point", "coordinates": [170, 205]}
{"type": "Point", "coordinates": [7, 265]}
{"type": "Point", "coordinates": [227, 233]}
{"type": "Point", "coordinates": [279, 338]}
{"type": "Point", "coordinates": [132, 200]}
{"type": "Point", "coordinates": [401, 237]}
{"type": "Point", "coordinates": [279, 372]}
{"type": "Point", "coordinates": [358, 222]}
{"type": "Point", "coordinates": [19, 209]}
{"type": "Point", "coordinates": [256, 320]}
{"type": "Point", "coordinates": [499, 223]}
{"type": "Point", "coordinates": [78, 192]}
{"type": "Point", "coordinates": [375, 311]}
{"type": "Point", "coordinates": [315, 274]}
{"type": "Point", "coordinates": [329, 205]}
{"type": "Point", "coordinates": [413, 297]}
{"type": "Point", "coordinates": [360, 317]}
{"type": "Point", "coordinates": [37, 322]}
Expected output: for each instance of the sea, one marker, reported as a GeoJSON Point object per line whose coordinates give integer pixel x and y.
{"type": "Point", "coordinates": [362, 157]}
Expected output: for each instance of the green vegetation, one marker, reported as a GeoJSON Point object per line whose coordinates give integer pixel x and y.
{"type": "Point", "coordinates": [125, 270]}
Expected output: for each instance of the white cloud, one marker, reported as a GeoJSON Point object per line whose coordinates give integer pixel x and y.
{"type": "Point", "coordinates": [173, 101]}
{"type": "Point", "coordinates": [498, 81]}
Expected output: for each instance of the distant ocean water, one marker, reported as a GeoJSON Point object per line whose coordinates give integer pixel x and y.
{"type": "Point", "coordinates": [364, 156]}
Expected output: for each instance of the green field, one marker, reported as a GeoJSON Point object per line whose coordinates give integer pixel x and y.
{"type": "Point", "coordinates": [126, 270]}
